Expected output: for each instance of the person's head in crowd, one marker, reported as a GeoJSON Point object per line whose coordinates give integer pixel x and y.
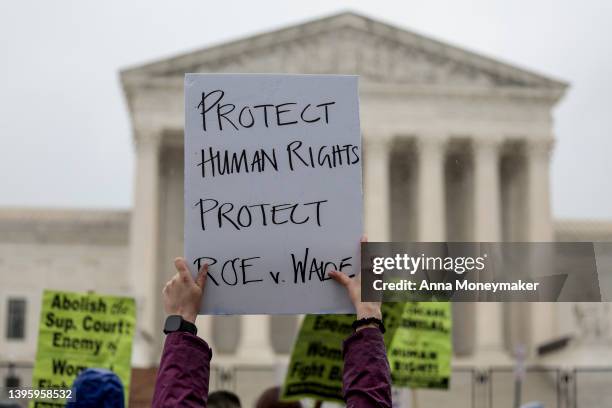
{"type": "Point", "coordinates": [96, 387]}
{"type": "Point", "coordinates": [223, 399]}
{"type": "Point", "coordinates": [270, 399]}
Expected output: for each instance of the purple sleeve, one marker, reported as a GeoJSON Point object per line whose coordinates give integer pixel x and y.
{"type": "Point", "coordinates": [367, 378]}
{"type": "Point", "coordinates": [184, 370]}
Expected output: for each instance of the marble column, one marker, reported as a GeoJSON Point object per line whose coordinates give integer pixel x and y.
{"type": "Point", "coordinates": [255, 345]}
{"type": "Point", "coordinates": [539, 227]}
{"type": "Point", "coordinates": [487, 211]}
{"type": "Point", "coordinates": [204, 324]}
{"type": "Point", "coordinates": [487, 228]}
{"type": "Point", "coordinates": [377, 199]}
{"type": "Point", "coordinates": [431, 217]}
{"type": "Point", "coordinates": [144, 246]}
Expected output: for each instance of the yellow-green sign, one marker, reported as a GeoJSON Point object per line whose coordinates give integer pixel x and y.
{"type": "Point", "coordinates": [418, 342]}
{"type": "Point", "coordinates": [79, 331]}
{"type": "Point", "coordinates": [315, 369]}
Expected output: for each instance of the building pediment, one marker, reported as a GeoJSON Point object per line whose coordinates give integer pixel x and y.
{"type": "Point", "coordinates": [349, 44]}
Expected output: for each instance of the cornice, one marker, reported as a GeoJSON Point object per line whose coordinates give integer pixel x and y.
{"type": "Point", "coordinates": [298, 34]}
{"type": "Point", "coordinates": [367, 88]}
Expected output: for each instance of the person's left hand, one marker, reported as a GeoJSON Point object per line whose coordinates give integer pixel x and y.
{"type": "Point", "coordinates": [182, 294]}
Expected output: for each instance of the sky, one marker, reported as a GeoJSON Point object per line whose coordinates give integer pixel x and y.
{"type": "Point", "coordinates": [65, 137]}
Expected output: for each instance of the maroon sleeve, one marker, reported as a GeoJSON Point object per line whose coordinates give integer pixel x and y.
{"type": "Point", "coordinates": [367, 378]}
{"type": "Point", "coordinates": [184, 370]}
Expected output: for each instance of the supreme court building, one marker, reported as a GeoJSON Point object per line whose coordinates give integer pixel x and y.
{"type": "Point", "coordinates": [456, 147]}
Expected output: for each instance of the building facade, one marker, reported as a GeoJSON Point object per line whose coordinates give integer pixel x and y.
{"type": "Point", "coordinates": [457, 147]}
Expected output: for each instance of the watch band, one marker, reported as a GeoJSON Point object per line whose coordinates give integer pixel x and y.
{"type": "Point", "coordinates": [369, 320]}
{"type": "Point", "coordinates": [176, 323]}
{"type": "Point", "coordinates": [188, 327]}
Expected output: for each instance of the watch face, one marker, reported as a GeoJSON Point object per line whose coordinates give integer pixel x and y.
{"type": "Point", "coordinates": [173, 323]}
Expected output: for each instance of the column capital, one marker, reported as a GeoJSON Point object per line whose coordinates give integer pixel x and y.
{"type": "Point", "coordinates": [539, 146]}
{"type": "Point", "coordinates": [432, 141]}
{"type": "Point", "coordinates": [486, 142]}
{"type": "Point", "coordinates": [380, 141]}
{"type": "Point", "coordinates": [148, 139]}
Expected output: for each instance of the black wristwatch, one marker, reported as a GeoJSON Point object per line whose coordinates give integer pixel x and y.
{"type": "Point", "coordinates": [176, 323]}
{"type": "Point", "coordinates": [367, 321]}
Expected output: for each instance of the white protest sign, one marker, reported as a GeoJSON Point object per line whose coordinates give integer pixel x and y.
{"type": "Point", "coordinates": [273, 197]}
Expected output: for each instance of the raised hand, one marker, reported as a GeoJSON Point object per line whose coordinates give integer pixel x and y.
{"type": "Point", "coordinates": [182, 294]}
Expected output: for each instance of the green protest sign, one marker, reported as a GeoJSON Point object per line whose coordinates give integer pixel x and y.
{"type": "Point", "coordinates": [315, 369]}
{"type": "Point", "coordinates": [418, 342]}
{"type": "Point", "coordinates": [79, 331]}
{"type": "Point", "coordinates": [419, 345]}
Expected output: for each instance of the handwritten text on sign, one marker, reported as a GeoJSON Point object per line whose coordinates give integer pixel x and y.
{"type": "Point", "coordinates": [272, 190]}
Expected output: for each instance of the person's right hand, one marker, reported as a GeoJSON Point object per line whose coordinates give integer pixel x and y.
{"type": "Point", "coordinates": [182, 294]}
{"type": "Point", "coordinates": [353, 287]}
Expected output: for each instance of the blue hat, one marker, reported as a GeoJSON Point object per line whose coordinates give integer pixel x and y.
{"type": "Point", "coordinates": [97, 388]}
